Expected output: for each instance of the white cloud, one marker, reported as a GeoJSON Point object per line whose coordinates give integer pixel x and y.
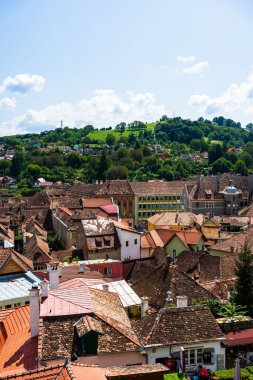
{"type": "Point", "coordinates": [23, 83]}
{"type": "Point", "coordinates": [8, 103]}
{"type": "Point", "coordinates": [236, 102]}
{"type": "Point", "coordinates": [186, 59]}
{"type": "Point", "coordinates": [196, 68]}
{"type": "Point", "coordinates": [105, 108]}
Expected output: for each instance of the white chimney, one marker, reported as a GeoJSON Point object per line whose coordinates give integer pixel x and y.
{"type": "Point", "coordinates": [182, 301]}
{"type": "Point", "coordinates": [81, 267]}
{"type": "Point", "coordinates": [54, 274]}
{"type": "Point", "coordinates": [34, 297]}
{"type": "Point", "coordinates": [106, 287]}
{"type": "Point", "coordinates": [44, 288]}
{"type": "Point", "coordinates": [144, 306]}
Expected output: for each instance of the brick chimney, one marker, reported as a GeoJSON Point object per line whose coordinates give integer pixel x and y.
{"type": "Point", "coordinates": [34, 297]}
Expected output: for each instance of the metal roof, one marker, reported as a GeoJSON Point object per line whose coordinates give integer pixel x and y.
{"type": "Point", "coordinates": [127, 295]}
{"type": "Point", "coordinates": [16, 285]}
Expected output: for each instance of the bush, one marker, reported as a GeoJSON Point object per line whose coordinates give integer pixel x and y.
{"type": "Point", "coordinates": [228, 374]}
{"type": "Point", "coordinates": [174, 376]}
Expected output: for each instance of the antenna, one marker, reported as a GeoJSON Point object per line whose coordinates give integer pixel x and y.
{"type": "Point", "coordinates": [61, 124]}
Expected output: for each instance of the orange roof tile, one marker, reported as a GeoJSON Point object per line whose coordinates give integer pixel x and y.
{"type": "Point", "coordinates": [47, 373]}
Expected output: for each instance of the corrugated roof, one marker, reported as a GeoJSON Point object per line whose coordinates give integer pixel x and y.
{"type": "Point", "coordinates": [127, 295]}
{"type": "Point", "coordinates": [16, 285]}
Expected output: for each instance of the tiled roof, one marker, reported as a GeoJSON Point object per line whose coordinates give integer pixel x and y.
{"type": "Point", "coordinates": [96, 202]}
{"type": "Point", "coordinates": [98, 226]}
{"type": "Point", "coordinates": [176, 219]}
{"type": "Point", "coordinates": [87, 324]}
{"type": "Point", "coordinates": [159, 187]}
{"type": "Point", "coordinates": [134, 370]}
{"type": "Point", "coordinates": [178, 326]}
{"type": "Point", "coordinates": [57, 333]}
{"type": "Point", "coordinates": [37, 250]}
{"type": "Point", "coordinates": [9, 254]}
{"type": "Point", "coordinates": [124, 226]}
{"type": "Point", "coordinates": [164, 278]}
{"type": "Point", "coordinates": [127, 296]}
{"type": "Point", "coordinates": [217, 184]}
{"type": "Point", "coordinates": [19, 351]}
{"type": "Point", "coordinates": [207, 266]}
{"type": "Point", "coordinates": [235, 242]}
{"type": "Point", "coordinates": [117, 186]}
{"type": "Point", "coordinates": [47, 373]}
{"type": "Point", "coordinates": [84, 188]}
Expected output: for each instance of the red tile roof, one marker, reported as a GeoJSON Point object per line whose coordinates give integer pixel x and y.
{"type": "Point", "coordinates": [47, 373]}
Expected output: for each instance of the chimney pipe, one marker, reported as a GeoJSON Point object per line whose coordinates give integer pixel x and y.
{"type": "Point", "coordinates": [54, 274]}
{"type": "Point", "coordinates": [144, 306]}
{"type": "Point", "coordinates": [106, 287]}
{"type": "Point", "coordinates": [44, 288]}
{"type": "Point", "coordinates": [182, 301]}
{"type": "Point", "coordinates": [34, 297]}
{"type": "Point", "coordinates": [81, 267]}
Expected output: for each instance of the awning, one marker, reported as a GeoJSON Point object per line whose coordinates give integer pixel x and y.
{"type": "Point", "coordinates": [239, 338]}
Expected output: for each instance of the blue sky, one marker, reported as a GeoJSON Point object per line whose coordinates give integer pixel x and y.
{"type": "Point", "coordinates": [103, 62]}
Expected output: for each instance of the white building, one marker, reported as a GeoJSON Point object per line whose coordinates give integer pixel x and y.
{"type": "Point", "coordinates": [130, 242]}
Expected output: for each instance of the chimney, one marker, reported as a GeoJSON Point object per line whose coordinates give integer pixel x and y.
{"type": "Point", "coordinates": [34, 297]}
{"type": "Point", "coordinates": [106, 287]}
{"type": "Point", "coordinates": [144, 306]}
{"type": "Point", "coordinates": [182, 301]}
{"type": "Point", "coordinates": [81, 265]}
{"type": "Point", "coordinates": [44, 288]}
{"type": "Point", "coordinates": [54, 274]}
{"type": "Point", "coordinates": [232, 249]}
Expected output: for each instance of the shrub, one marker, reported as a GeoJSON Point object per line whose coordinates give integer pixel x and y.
{"type": "Point", "coordinates": [228, 374]}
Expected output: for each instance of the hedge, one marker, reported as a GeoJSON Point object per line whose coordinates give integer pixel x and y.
{"type": "Point", "coordinates": [174, 376]}
{"type": "Point", "coordinates": [228, 374]}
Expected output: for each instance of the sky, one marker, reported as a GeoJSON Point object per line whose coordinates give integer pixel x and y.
{"type": "Point", "coordinates": [103, 62]}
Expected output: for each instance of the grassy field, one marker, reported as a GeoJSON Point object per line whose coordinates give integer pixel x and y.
{"type": "Point", "coordinates": [101, 135]}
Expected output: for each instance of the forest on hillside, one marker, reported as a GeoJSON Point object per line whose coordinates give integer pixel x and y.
{"type": "Point", "coordinates": [169, 149]}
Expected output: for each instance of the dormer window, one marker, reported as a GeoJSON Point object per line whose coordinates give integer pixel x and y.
{"type": "Point", "coordinates": [88, 329]}
{"type": "Point", "coordinates": [98, 242]}
{"type": "Point", "coordinates": [208, 194]}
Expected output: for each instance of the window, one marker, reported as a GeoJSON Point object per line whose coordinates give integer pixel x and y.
{"type": "Point", "coordinates": [174, 256]}
{"type": "Point", "coordinates": [197, 204]}
{"type": "Point", "coordinates": [107, 271]}
{"type": "Point", "coordinates": [127, 243]}
{"type": "Point", "coordinates": [209, 205]}
{"type": "Point", "coordinates": [135, 241]}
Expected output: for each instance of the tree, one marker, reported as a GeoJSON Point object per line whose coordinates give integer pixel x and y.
{"type": "Point", "coordinates": [241, 168]}
{"type": "Point", "coordinates": [164, 118]}
{"type": "Point", "coordinates": [221, 166]}
{"type": "Point", "coordinates": [249, 127]}
{"type": "Point", "coordinates": [102, 167]}
{"type": "Point", "coordinates": [34, 171]}
{"type": "Point", "coordinates": [55, 242]}
{"type": "Point", "coordinates": [110, 139]}
{"type": "Point", "coordinates": [244, 281]}
{"type": "Point", "coordinates": [215, 152]}
{"type": "Point", "coordinates": [17, 164]}
{"type": "Point", "coordinates": [232, 313]}
{"type": "Point", "coordinates": [117, 172]}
